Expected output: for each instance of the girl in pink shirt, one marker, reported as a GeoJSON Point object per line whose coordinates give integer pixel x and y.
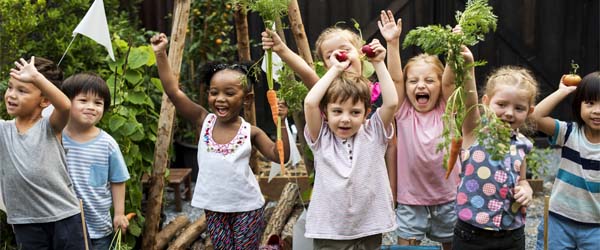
{"type": "Point", "coordinates": [425, 198]}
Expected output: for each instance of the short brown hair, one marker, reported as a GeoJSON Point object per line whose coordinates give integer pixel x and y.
{"type": "Point", "coordinates": [49, 70]}
{"type": "Point", "coordinates": [345, 87]}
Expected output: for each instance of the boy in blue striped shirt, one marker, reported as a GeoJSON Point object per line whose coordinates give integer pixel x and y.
{"type": "Point", "coordinates": [94, 160]}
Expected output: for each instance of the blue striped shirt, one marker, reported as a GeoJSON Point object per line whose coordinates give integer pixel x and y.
{"type": "Point", "coordinates": [92, 166]}
{"type": "Point", "coordinates": [576, 190]}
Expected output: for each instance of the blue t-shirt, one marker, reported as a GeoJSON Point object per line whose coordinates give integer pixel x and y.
{"type": "Point", "coordinates": [92, 166]}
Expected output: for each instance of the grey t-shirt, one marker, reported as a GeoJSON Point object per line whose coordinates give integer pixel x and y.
{"type": "Point", "coordinates": [35, 183]}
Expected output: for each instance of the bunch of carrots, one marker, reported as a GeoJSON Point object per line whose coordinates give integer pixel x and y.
{"type": "Point", "coordinates": [271, 10]}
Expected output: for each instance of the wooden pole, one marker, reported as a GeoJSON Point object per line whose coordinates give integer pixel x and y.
{"type": "Point", "coordinates": [297, 28]}
{"type": "Point", "coordinates": [165, 128]}
{"type": "Point", "coordinates": [165, 235]}
{"type": "Point", "coordinates": [85, 239]}
{"type": "Point", "coordinates": [240, 18]}
{"type": "Point", "coordinates": [546, 214]}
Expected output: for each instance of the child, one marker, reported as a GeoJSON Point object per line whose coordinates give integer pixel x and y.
{"type": "Point", "coordinates": [226, 188]}
{"type": "Point", "coordinates": [574, 221]}
{"type": "Point", "coordinates": [94, 160]}
{"type": "Point", "coordinates": [351, 203]}
{"type": "Point", "coordinates": [492, 195]}
{"type": "Point", "coordinates": [333, 38]}
{"type": "Point", "coordinates": [426, 199]}
{"type": "Point", "coordinates": [40, 201]}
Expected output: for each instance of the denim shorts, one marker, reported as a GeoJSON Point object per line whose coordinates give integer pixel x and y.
{"type": "Point", "coordinates": [436, 222]}
{"type": "Point", "coordinates": [564, 233]}
{"type": "Point", "coordinates": [66, 234]}
{"type": "Point", "coordinates": [102, 243]}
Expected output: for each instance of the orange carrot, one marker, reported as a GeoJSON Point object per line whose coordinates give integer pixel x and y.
{"type": "Point", "coordinates": [273, 103]}
{"type": "Point", "coordinates": [280, 149]}
{"type": "Point", "coordinates": [130, 216]}
{"type": "Point", "coordinates": [454, 151]}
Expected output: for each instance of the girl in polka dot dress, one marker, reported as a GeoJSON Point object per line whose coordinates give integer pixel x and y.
{"type": "Point", "coordinates": [492, 195]}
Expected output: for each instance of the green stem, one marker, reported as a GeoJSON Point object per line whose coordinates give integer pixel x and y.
{"type": "Point", "coordinates": [270, 68]}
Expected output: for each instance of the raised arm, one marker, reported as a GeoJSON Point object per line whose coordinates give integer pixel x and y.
{"type": "Point", "coordinates": [388, 90]}
{"type": "Point", "coordinates": [270, 40]}
{"type": "Point", "coordinates": [471, 101]}
{"type": "Point", "coordinates": [183, 104]}
{"type": "Point", "coordinates": [391, 32]}
{"type": "Point", "coordinates": [316, 93]}
{"type": "Point", "coordinates": [540, 114]}
{"type": "Point", "coordinates": [26, 72]}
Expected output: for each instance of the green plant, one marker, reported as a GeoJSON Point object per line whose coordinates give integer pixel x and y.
{"type": "Point", "coordinates": [538, 160]}
{"type": "Point", "coordinates": [476, 20]}
{"type": "Point", "coordinates": [292, 90]}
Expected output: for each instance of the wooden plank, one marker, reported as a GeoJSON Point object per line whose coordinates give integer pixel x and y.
{"type": "Point", "coordinates": [165, 128]}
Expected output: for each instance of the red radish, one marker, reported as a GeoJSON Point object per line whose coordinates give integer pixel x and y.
{"type": "Point", "coordinates": [367, 50]}
{"type": "Point", "coordinates": [342, 56]}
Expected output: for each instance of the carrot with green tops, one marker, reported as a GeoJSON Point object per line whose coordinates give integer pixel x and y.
{"type": "Point", "coordinates": [455, 146]}
{"type": "Point", "coordinates": [130, 216]}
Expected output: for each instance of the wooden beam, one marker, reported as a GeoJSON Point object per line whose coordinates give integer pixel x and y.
{"type": "Point", "coordinates": [165, 128]}
{"type": "Point", "coordinates": [297, 28]}
{"type": "Point", "coordinates": [372, 28]}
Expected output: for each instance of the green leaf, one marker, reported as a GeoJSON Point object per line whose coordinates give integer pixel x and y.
{"type": "Point", "coordinates": [157, 84]}
{"type": "Point", "coordinates": [137, 97]}
{"type": "Point", "coordinates": [133, 76]}
{"type": "Point", "coordinates": [128, 128]}
{"type": "Point", "coordinates": [138, 57]}
{"type": "Point", "coordinates": [116, 122]}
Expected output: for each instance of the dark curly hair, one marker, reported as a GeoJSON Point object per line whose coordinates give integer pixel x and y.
{"type": "Point", "coordinates": [208, 70]}
{"type": "Point", "coordinates": [588, 90]}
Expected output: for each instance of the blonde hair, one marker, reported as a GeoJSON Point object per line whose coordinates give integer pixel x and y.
{"type": "Point", "coordinates": [512, 76]}
{"type": "Point", "coordinates": [348, 87]}
{"type": "Point", "coordinates": [352, 37]}
{"type": "Point", "coordinates": [434, 61]}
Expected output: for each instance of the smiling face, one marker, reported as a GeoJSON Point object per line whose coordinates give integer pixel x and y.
{"type": "Point", "coordinates": [226, 94]}
{"type": "Point", "coordinates": [86, 109]}
{"type": "Point", "coordinates": [590, 114]}
{"type": "Point", "coordinates": [510, 103]}
{"type": "Point", "coordinates": [23, 99]}
{"type": "Point", "coordinates": [423, 86]}
{"type": "Point", "coordinates": [345, 118]}
{"type": "Point", "coordinates": [338, 39]}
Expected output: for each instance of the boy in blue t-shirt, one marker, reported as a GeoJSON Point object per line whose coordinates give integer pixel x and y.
{"type": "Point", "coordinates": [94, 160]}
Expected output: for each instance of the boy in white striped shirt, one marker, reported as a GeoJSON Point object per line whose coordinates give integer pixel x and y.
{"type": "Point", "coordinates": [94, 159]}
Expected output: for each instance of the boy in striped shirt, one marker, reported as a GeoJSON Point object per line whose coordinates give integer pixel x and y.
{"type": "Point", "coordinates": [94, 160]}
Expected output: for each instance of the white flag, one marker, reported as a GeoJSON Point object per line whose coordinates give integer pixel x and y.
{"type": "Point", "coordinates": [94, 26]}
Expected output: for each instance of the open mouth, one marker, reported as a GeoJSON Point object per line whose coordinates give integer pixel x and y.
{"type": "Point", "coordinates": [422, 98]}
{"type": "Point", "coordinates": [595, 121]}
{"type": "Point", "coordinates": [221, 111]}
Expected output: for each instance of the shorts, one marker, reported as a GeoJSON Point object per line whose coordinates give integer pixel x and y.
{"type": "Point", "coordinates": [102, 243]}
{"type": "Point", "coordinates": [564, 233]}
{"type": "Point", "coordinates": [372, 242]}
{"type": "Point", "coordinates": [66, 234]}
{"type": "Point", "coordinates": [436, 222]}
{"type": "Point", "coordinates": [469, 237]}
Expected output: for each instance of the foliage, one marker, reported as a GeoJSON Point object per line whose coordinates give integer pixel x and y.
{"type": "Point", "coordinates": [538, 160]}
{"type": "Point", "coordinates": [498, 135]}
{"type": "Point", "coordinates": [133, 118]}
{"type": "Point", "coordinates": [292, 90]}
{"type": "Point", "coordinates": [476, 21]}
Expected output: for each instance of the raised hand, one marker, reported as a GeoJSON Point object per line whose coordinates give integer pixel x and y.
{"type": "Point", "coordinates": [379, 51]}
{"type": "Point", "coordinates": [389, 29]}
{"type": "Point", "coordinates": [271, 40]}
{"type": "Point", "coordinates": [25, 71]}
{"type": "Point", "coordinates": [159, 42]}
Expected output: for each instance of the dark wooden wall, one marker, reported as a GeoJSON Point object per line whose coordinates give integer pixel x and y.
{"type": "Point", "coordinates": [541, 35]}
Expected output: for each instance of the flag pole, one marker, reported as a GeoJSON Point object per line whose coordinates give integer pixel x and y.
{"type": "Point", "coordinates": [63, 56]}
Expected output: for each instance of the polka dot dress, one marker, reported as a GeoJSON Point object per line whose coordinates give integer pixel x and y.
{"type": "Point", "coordinates": [485, 195]}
